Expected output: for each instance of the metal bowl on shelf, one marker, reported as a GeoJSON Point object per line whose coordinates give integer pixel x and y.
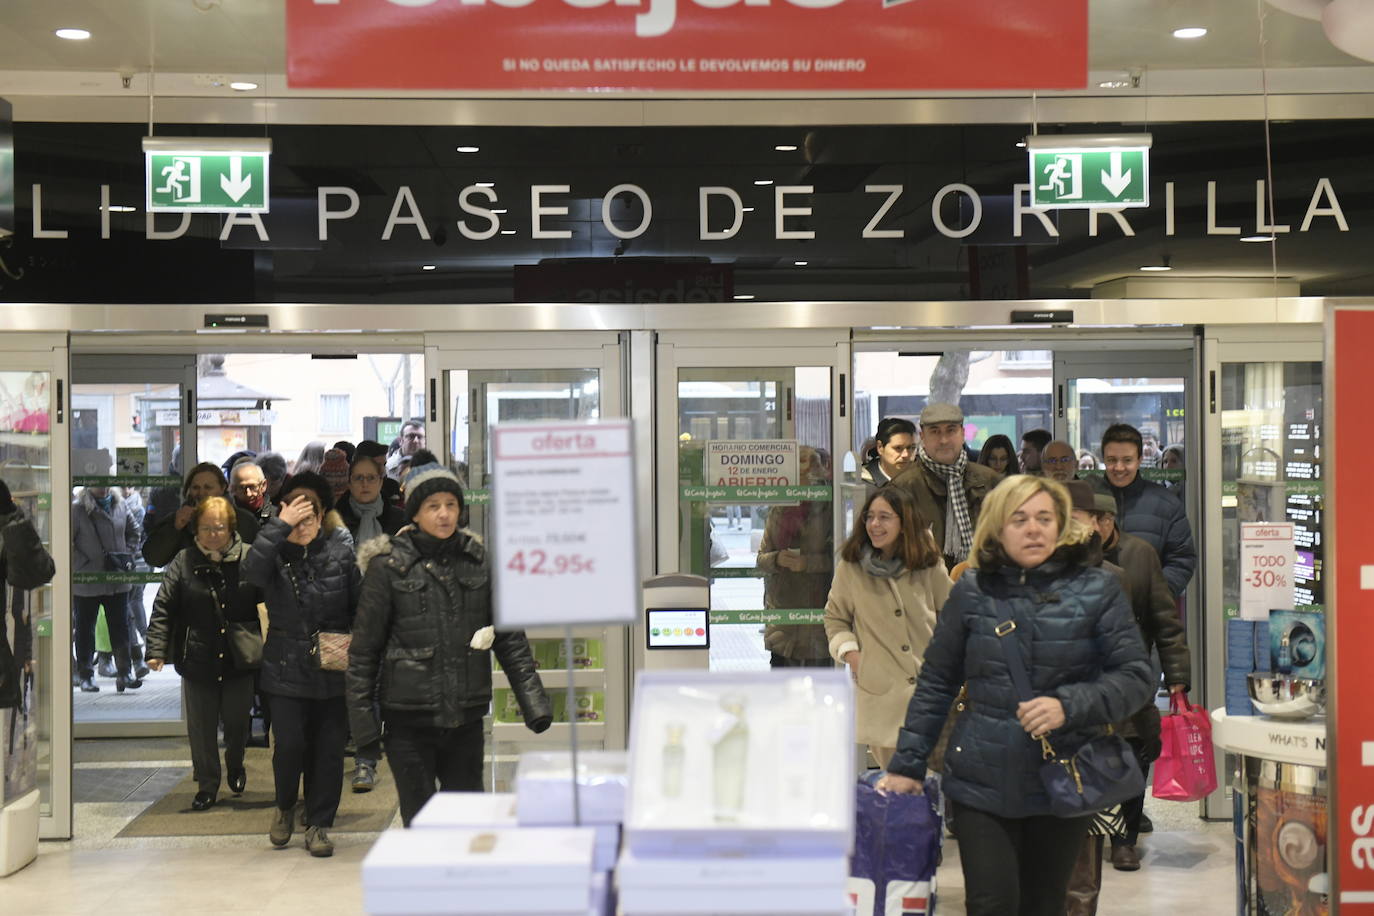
{"type": "Point", "coordinates": [1286, 697]}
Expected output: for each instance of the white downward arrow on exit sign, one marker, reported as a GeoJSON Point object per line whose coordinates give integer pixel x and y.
{"type": "Point", "coordinates": [236, 184]}
{"type": "Point", "coordinates": [1117, 181]}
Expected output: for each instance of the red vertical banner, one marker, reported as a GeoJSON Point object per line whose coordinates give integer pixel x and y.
{"type": "Point", "coordinates": [1350, 615]}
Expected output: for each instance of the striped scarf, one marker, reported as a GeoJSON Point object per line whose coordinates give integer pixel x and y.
{"type": "Point", "coordinates": [958, 521]}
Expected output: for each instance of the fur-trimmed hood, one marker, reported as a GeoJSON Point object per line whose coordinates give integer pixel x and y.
{"type": "Point", "coordinates": [385, 544]}
{"type": "Point", "coordinates": [86, 500]}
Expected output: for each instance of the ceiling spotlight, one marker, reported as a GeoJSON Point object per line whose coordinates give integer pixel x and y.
{"type": "Point", "coordinates": [508, 232]}
{"type": "Point", "coordinates": [786, 148]}
{"type": "Point", "coordinates": [1190, 32]}
{"type": "Point", "coordinates": [748, 209]}
{"type": "Point", "coordinates": [468, 149]}
{"type": "Point", "coordinates": [801, 263]}
{"type": "Point", "coordinates": [1258, 238]}
{"type": "Point", "coordinates": [763, 182]}
{"type": "Point", "coordinates": [486, 184]}
{"type": "Point", "coordinates": [1020, 144]}
{"type": "Point", "coordinates": [499, 211]}
{"type": "Point", "coordinates": [1156, 267]}
{"type": "Point", "coordinates": [120, 208]}
{"type": "Point", "coordinates": [73, 34]}
{"type": "Point", "coordinates": [1114, 84]}
{"type": "Point", "coordinates": [428, 267]}
{"type": "Point", "coordinates": [243, 86]}
{"type": "Point", "coordinates": [744, 295]}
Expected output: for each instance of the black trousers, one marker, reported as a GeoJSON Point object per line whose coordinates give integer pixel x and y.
{"type": "Point", "coordinates": [116, 621]}
{"type": "Point", "coordinates": [423, 757]}
{"type": "Point", "coordinates": [1016, 866]}
{"type": "Point", "coordinates": [308, 738]}
{"type": "Point", "coordinates": [208, 703]}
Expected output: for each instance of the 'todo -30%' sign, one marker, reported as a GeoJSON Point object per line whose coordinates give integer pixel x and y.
{"type": "Point", "coordinates": [758, 463]}
{"type": "Point", "coordinates": [206, 175]}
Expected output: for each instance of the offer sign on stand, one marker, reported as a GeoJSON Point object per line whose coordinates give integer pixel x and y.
{"type": "Point", "coordinates": [1266, 568]}
{"type": "Point", "coordinates": [564, 542]}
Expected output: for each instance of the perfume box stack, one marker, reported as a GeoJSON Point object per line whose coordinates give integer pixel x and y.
{"type": "Point", "coordinates": [741, 794]}
{"type": "Point", "coordinates": [544, 796]}
{"type": "Point", "coordinates": [473, 810]}
{"type": "Point", "coordinates": [544, 870]}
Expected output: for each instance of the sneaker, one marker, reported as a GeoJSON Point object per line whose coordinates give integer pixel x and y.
{"type": "Point", "coordinates": [318, 843]}
{"type": "Point", "coordinates": [1146, 825]}
{"type": "Point", "coordinates": [1125, 858]}
{"type": "Point", "coordinates": [364, 777]}
{"type": "Point", "coordinates": [280, 832]}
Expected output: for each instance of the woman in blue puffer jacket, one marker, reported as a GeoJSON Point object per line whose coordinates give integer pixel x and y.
{"type": "Point", "coordinates": [303, 561]}
{"type": "Point", "coordinates": [1087, 667]}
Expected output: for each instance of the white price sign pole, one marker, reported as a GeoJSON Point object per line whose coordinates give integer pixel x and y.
{"type": "Point", "coordinates": [563, 511]}
{"type": "Point", "coordinates": [564, 552]}
{"type": "Point", "coordinates": [1266, 569]}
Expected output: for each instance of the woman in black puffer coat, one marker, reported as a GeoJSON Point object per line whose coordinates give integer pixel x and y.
{"type": "Point", "coordinates": [1087, 668]}
{"type": "Point", "coordinates": [203, 596]}
{"type": "Point", "coordinates": [422, 644]}
{"type": "Point", "coordinates": [303, 561]}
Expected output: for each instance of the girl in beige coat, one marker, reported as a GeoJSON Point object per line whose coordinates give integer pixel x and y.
{"type": "Point", "coordinates": [889, 586]}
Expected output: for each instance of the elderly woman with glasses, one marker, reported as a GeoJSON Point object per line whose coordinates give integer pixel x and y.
{"type": "Point", "coordinates": [205, 622]}
{"type": "Point", "coordinates": [362, 508]}
{"type": "Point", "coordinates": [889, 586]}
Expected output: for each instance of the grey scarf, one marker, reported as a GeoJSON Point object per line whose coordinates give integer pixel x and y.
{"type": "Point", "coordinates": [369, 519]}
{"type": "Point", "coordinates": [958, 521]}
{"type": "Point", "coordinates": [231, 554]}
{"type": "Point", "coordinates": [880, 567]}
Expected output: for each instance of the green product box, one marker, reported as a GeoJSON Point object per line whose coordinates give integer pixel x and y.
{"type": "Point", "coordinates": [586, 654]}
{"type": "Point", "coordinates": [505, 707]}
{"type": "Point", "coordinates": [591, 706]}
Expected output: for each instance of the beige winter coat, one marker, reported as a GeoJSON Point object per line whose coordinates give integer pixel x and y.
{"type": "Point", "coordinates": [890, 622]}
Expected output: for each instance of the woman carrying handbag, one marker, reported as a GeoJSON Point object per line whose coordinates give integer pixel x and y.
{"type": "Point", "coordinates": [1050, 655]}
{"type": "Point", "coordinates": [303, 561]}
{"type": "Point", "coordinates": [205, 621]}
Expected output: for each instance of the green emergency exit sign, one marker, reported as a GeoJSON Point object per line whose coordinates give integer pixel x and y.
{"type": "Point", "coordinates": [207, 175]}
{"type": "Point", "coordinates": [1086, 172]}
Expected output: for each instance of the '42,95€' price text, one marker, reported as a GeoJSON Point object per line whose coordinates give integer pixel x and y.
{"type": "Point", "coordinates": [540, 563]}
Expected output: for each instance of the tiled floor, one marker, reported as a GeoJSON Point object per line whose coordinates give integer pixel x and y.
{"type": "Point", "coordinates": [1186, 864]}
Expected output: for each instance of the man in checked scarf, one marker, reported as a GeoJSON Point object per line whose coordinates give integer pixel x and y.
{"type": "Point", "coordinates": [948, 488]}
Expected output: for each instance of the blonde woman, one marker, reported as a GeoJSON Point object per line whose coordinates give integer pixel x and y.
{"type": "Point", "coordinates": [1087, 667]}
{"type": "Point", "coordinates": [889, 586]}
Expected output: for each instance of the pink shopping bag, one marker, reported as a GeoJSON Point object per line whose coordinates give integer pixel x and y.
{"type": "Point", "coordinates": [1186, 769]}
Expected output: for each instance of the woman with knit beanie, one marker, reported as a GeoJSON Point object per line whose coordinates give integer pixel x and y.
{"type": "Point", "coordinates": [424, 632]}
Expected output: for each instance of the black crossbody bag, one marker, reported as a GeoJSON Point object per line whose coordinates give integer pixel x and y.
{"type": "Point", "coordinates": [1101, 773]}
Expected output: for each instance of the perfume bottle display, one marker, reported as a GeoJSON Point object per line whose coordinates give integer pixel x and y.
{"type": "Point", "coordinates": [730, 758]}
{"type": "Point", "coordinates": [673, 756]}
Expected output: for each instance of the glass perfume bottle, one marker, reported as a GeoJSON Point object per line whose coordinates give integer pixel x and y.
{"type": "Point", "coordinates": [673, 754]}
{"type": "Point", "coordinates": [730, 757]}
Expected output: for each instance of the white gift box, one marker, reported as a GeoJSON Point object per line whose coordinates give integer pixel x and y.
{"type": "Point", "coordinates": [544, 790]}
{"type": "Point", "coordinates": [745, 764]}
{"type": "Point", "coordinates": [544, 870]}
{"type": "Point", "coordinates": [683, 886]}
{"type": "Point", "coordinates": [476, 810]}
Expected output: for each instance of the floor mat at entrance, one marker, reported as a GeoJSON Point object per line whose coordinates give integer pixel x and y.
{"type": "Point", "coordinates": [251, 813]}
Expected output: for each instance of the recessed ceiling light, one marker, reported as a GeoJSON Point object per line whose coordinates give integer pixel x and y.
{"type": "Point", "coordinates": [1156, 267]}
{"type": "Point", "coordinates": [508, 232]}
{"type": "Point", "coordinates": [744, 295]}
{"type": "Point", "coordinates": [428, 267]}
{"type": "Point", "coordinates": [785, 148]}
{"type": "Point", "coordinates": [801, 263]}
{"type": "Point", "coordinates": [73, 34]}
{"type": "Point", "coordinates": [1114, 84]}
{"type": "Point", "coordinates": [120, 208]}
{"type": "Point", "coordinates": [1190, 32]}
{"type": "Point", "coordinates": [748, 209]}
{"type": "Point", "coordinates": [1258, 238]}
{"type": "Point", "coordinates": [499, 211]}
{"type": "Point", "coordinates": [486, 184]}
{"type": "Point", "coordinates": [468, 149]}
{"type": "Point", "coordinates": [1020, 144]}
{"type": "Point", "coordinates": [243, 86]}
{"type": "Point", "coordinates": [762, 182]}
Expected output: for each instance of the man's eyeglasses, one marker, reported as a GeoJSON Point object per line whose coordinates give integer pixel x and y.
{"type": "Point", "coordinates": [366, 480]}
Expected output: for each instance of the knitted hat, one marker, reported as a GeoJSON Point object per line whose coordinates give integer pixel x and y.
{"type": "Point", "coordinates": [308, 480]}
{"type": "Point", "coordinates": [335, 471]}
{"type": "Point", "coordinates": [424, 480]}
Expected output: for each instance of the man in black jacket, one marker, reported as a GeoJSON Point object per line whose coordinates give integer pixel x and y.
{"type": "Point", "coordinates": [1146, 509]}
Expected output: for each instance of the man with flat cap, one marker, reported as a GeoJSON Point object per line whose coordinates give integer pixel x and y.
{"type": "Point", "coordinates": [948, 488]}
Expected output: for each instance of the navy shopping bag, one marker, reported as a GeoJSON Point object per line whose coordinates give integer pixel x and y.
{"type": "Point", "coordinates": [896, 852]}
